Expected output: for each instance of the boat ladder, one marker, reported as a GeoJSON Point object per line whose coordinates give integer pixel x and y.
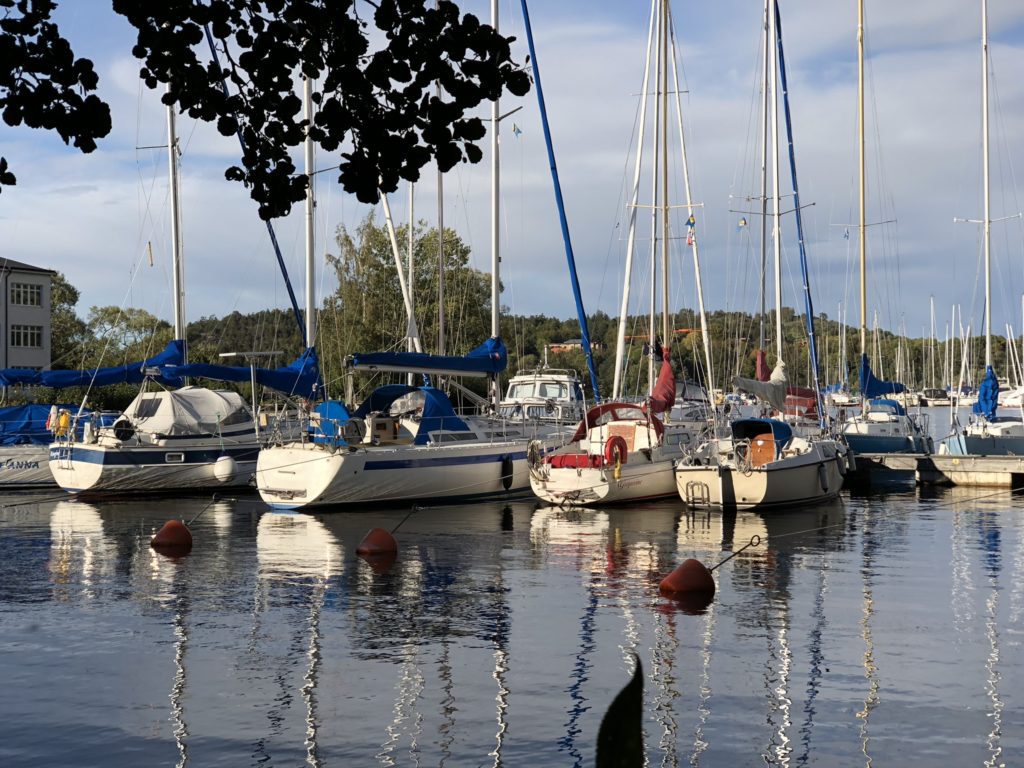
{"type": "Point", "coordinates": [698, 494]}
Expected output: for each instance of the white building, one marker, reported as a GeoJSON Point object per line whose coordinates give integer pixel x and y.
{"type": "Point", "coordinates": [24, 315]}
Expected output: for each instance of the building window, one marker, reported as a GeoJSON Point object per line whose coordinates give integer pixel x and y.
{"type": "Point", "coordinates": [27, 294]}
{"type": "Point", "coordinates": [27, 336]}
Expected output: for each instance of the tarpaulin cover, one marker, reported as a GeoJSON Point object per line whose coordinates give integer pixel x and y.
{"type": "Point", "coordinates": [988, 395]}
{"type": "Point", "coordinates": [773, 390]}
{"type": "Point", "coordinates": [20, 424]}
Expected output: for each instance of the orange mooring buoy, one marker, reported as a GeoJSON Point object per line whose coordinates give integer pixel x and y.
{"type": "Point", "coordinates": [692, 577]}
{"type": "Point", "coordinates": [174, 537]}
{"type": "Point", "coordinates": [377, 542]}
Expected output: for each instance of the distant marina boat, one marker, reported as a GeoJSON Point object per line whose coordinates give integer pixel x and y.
{"type": "Point", "coordinates": [932, 397]}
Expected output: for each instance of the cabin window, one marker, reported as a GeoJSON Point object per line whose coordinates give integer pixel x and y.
{"type": "Point", "coordinates": [27, 336]}
{"type": "Point", "coordinates": [148, 407]}
{"type": "Point", "coordinates": [549, 389]}
{"type": "Point", "coordinates": [27, 294]}
{"type": "Point", "coordinates": [519, 391]}
{"type": "Point", "coordinates": [174, 458]}
{"type": "Point", "coordinates": [238, 416]}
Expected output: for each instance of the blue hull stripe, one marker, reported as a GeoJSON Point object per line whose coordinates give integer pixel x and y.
{"type": "Point", "coordinates": [151, 457]}
{"type": "Point", "coordinates": [441, 461]}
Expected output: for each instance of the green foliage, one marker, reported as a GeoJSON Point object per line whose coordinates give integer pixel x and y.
{"type": "Point", "coordinates": [367, 312]}
{"type": "Point", "coordinates": [68, 332]}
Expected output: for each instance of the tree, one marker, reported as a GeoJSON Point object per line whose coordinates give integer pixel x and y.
{"type": "Point", "coordinates": [68, 332]}
{"type": "Point", "coordinates": [124, 335]}
{"type": "Point", "coordinates": [376, 101]}
{"type": "Point", "coordinates": [42, 84]}
{"type": "Point", "coordinates": [367, 312]}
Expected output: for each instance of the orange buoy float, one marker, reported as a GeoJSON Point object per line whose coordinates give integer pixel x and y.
{"type": "Point", "coordinates": [173, 538]}
{"type": "Point", "coordinates": [377, 542]}
{"type": "Point", "coordinates": [690, 578]}
{"type": "Point", "coordinates": [380, 564]}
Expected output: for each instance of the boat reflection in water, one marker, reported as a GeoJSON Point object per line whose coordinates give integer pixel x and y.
{"type": "Point", "coordinates": [851, 633]}
{"type": "Point", "coordinates": [297, 557]}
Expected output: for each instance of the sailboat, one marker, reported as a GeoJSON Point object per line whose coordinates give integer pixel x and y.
{"type": "Point", "coordinates": [883, 425]}
{"type": "Point", "coordinates": [762, 462]}
{"type": "Point", "coordinates": [169, 440]}
{"type": "Point", "coordinates": [624, 451]}
{"type": "Point", "coordinates": [987, 434]}
{"type": "Point", "coordinates": [26, 431]}
{"type": "Point", "coordinates": [405, 442]}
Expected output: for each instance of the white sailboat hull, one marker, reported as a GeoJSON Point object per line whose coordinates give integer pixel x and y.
{"type": "Point", "coordinates": [637, 480]}
{"type": "Point", "coordinates": [92, 468]}
{"type": "Point", "coordinates": [803, 479]}
{"type": "Point", "coordinates": [25, 466]}
{"type": "Point", "coordinates": [304, 475]}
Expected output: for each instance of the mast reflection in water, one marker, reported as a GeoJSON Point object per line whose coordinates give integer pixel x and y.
{"type": "Point", "coordinates": [880, 629]}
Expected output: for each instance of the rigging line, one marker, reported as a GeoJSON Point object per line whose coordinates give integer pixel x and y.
{"type": "Point", "coordinates": [574, 279]}
{"type": "Point", "coordinates": [270, 226]}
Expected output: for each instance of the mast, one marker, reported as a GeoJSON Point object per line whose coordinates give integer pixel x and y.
{"type": "Point", "coordinates": [176, 241]}
{"type": "Point", "coordinates": [620, 339]}
{"type": "Point", "coordinates": [495, 212]}
{"type": "Point", "coordinates": [764, 175]}
{"type": "Point", "coordinates": [987, 222]}
{"type": "Point", "coordinates": [658, 109]}
{"type": "Point", "coordinates": [861, 224]}
{"type": "Point", "coordinates": [705, 336]}
{"type": "Point", "coordinates": [307, 93]}
{"type": "Point", "coordinates": [666, 337]}
{"type": "Point", "coordinates": [776, 213]}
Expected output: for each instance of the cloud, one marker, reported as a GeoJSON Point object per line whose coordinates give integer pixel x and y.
{"type": "Point", "coordinates": [92, 216]}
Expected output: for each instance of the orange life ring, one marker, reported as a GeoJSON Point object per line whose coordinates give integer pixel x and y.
{"type": "Point", "coordinates": [615, 450]}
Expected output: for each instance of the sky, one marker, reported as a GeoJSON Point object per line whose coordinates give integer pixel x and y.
{"type": "Point", "coordinates": [102, 219]}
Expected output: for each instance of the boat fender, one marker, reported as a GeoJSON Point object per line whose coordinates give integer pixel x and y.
{"type": "Point", "coordinates": [823, 477]}
{"type": "Point", "coordinates": [506, 471]}
{"type": "Point", "coordinates": [851, 460]}
{"type": "Point", "coordinates": [224, 469]}
{"type": "Point", "coordinates": [51, 420]}
{"type": "Point", "coordinates": [841, 464]}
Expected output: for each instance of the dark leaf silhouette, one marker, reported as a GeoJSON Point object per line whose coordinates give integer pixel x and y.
{"type": "Point", "coordinates": [620, 740]}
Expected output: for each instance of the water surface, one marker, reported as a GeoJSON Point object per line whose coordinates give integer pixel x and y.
{"type": "Point", "coordinates": [880, 629]}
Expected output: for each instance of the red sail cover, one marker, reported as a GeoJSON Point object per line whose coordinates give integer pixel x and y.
{"type": "Point", "coordinates": [761, 372]}
{"type": "Point", "coordinates": [663, 396]}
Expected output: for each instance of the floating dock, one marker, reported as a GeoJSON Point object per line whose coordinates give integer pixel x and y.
{"type": "Point", "coordinates": [946, 469]}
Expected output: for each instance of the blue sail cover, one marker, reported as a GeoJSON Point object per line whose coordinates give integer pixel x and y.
{"type": "Point", "coordinates": [872, 386]}
{"type": "Point", "coordinates": [437, 409]}
{"type": "Point", "coordinates": [130, 373]}
{"type": "Point", "coordinates": [300, 378]}
{"type": "Point", "coordinates": [988, 395]}
{"type": "Point", "coordinates": [489, 358]}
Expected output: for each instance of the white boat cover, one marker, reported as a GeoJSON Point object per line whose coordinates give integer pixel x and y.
{"type": "Point", "coordinates": [773, 390]}
{"type": "Point", "coordinates": [188, 411]}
